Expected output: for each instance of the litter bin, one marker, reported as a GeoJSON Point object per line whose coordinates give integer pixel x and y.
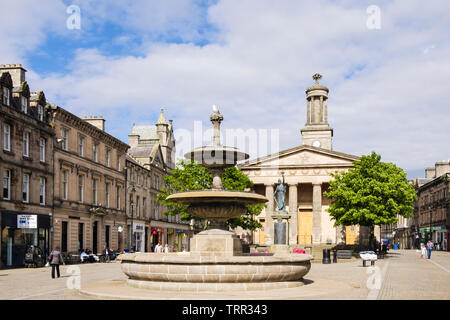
{"type": "Point", "coordinates": [326, 256]}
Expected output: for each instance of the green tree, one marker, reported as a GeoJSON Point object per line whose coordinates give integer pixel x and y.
{"type": "Point", "coordinates": [189, 176]}
{"type": "Point", "coordinates": [372, 193]}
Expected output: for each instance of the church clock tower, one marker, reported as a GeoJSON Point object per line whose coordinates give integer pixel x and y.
{"type": "Point", "coordinates": [317, 132]}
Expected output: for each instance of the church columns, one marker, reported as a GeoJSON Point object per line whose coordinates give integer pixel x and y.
{"type": "Point", "coordinates": [268, 235]}
{"type": "Point", "coordinates": [293, 209]}
{"type": "Point", "coordinates": [317, 213]}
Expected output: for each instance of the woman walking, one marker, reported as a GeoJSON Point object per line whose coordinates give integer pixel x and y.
{"type": "Point", "coordinates": [423, 250]}
{"type": "Point", "coordinates": [55, 260]}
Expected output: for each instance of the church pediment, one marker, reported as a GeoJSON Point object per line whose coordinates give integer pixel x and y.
{"type": "Point", "coordinates": [302, 156]}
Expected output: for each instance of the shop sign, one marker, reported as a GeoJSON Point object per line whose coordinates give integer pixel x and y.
{"type": "Point", "coordinates": [26, 221]}
{"type": "Point", "coordinates": [439, 228]}
{"type": "Point", "coordinates": [170, 231]}
{"type": "Point", "coordinates": [138, 227]}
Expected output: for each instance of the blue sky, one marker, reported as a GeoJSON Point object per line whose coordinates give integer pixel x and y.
{"type": "Point", "coordinates": [254, 59]}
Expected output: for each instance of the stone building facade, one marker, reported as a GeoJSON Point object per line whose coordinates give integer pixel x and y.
{"type": "Point", "coordinates": [26, 167]}
{"type": "Point", "coordinates": [307, 170]}
{"type": "Point", "coordinates": [89, 193]}
{"type": "Point", "coordinates": [150, 158]}
{"type": "Point", "coordinates": [431, 211]}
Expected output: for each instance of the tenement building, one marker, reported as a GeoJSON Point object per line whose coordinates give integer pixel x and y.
{"type": "Point", "coordinates": [89, 193]}
{"type": "Point", "coordinates": [431, 211]}
{"type": "Point", "coordinates": [26, 167]}
{"type": "Point", "coordinates": [307, 172]}
{"type": "Point", "coordinates": [150, 158]}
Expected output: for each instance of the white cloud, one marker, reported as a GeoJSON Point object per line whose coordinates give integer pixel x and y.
{"type": "Point", "coordinates": [262, 60]}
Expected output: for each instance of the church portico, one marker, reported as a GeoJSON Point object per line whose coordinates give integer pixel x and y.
{"type": "Point", "coordinates": [306, 172]}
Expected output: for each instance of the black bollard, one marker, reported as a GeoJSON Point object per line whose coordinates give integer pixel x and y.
{"type": "Point", "coordinates": [326, 256]}
{"type": "Point", "coordinates": [335, 256]}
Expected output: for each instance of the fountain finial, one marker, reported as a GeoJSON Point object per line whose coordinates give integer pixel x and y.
{"type": "Point", "coordinates": [216, 118]}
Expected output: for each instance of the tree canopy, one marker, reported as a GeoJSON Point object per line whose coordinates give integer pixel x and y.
{"type": "Point", "coordinates": [188, 176]}
{"type": "Point", "coordinates": [371, 193]}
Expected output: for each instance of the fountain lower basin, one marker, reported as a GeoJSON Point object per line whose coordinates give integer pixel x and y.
{"type": "Point", "coordinates": [191, 272]}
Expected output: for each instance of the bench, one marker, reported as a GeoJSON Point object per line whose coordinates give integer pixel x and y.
{"type": "Point", "coordinates": [344, 254]}
{"type": "Point", "coordinates": [368, 256]}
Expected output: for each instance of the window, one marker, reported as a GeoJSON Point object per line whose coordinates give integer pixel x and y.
{"type": "Point", "coordinates": [65, 136]}
{"type": "Point", "coordinates": [24, 104]}
{"type": "Point", "coordinates": [138, 207]}
{"type": "Point", "coordinates": [118, 197]}
{"type": "Point", "coordinates": [156, 182]}
{"type": "Point", "coordinates": [42, 149]}
{"type": "Point", "coordinates": [26, 144]}
{"type": "Point", "coordinates": [144, 207]}
{"type": "Point", "coordinates": [155, 210]}
{"type": "Point", "coordinates": [108, 158]}
{"type": "Point", "coordinates": [6, 95]}
{"type": "Point", "coordinates": [26, 188]}
{"type": "Point", "coordinates": [7, 185]}
{"type": "Point", "coordinates": [107, 194]}
{"type": "Point", "coordinates": [94, 191]}
{"type": "Point", "coordinates": [81, 188]}
{"type": "Point", "coordinates": [42, 191]}
{"type": "Point", "coordinates": [6, 137]}
{"type": "Point", "coordinates": [118, 163]}
{"type": "Point", "coordinates": [65, 183]}
{"type": "Point", "coordinates": [41, 113]}
{"type": "Point", "coordinates": [95, 152]}
{"type": "Point", "coordinates": [80, 146]}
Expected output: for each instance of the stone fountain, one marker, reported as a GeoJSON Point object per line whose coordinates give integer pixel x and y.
{"type": "Point", "coordinates": [215, 262]}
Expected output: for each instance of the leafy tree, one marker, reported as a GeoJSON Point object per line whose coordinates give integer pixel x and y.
{"type": "Point", "coordinates": [372, 193]}
{"type": "Point", "coordinates": [189, 176]}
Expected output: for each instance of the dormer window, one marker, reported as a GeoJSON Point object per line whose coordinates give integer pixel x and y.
{"type": "Point", "coordinates": [24, 104]}
{"type": "Point", "coordinates": [6, 96]}
{"type": "Point", "coordinates": [41, 113]}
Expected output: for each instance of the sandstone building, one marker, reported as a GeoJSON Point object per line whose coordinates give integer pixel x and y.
{"type": "Point", "coordinates": [26, 167]}
{"type": "Point", "coordinates": [307, 170]}
{"type": "Point", "coordinates": [150, 158]}
{"type": "Point", "coordinates": [89, 193]}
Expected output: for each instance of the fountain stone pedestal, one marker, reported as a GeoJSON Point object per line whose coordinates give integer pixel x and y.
{"type": "Point", "coordinates": [216, 242]}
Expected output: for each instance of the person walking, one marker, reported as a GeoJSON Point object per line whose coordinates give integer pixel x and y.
{"type": "Point", "coordinates": [158, 248]}
{"type": "Point", "coordinates": [423, 251]}
{"type": "Point", "coordinates": [166, 248]}
{"type": "Point", "coordinates": [55, 260]}
{"type": "Point", "coordinates": [429, 248]}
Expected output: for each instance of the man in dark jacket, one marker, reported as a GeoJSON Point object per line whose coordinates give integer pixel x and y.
{"type": "Point", "coordinates": [55, 260]}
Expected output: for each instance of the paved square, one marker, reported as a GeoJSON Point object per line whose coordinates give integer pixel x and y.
{"type": "Point", "coordinates": [402, 275]}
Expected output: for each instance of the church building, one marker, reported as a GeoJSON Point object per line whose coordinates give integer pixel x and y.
{"type": "Point", "coordinates": [307, 170]}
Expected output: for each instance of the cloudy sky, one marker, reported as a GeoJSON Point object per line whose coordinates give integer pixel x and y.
{"type": "Point", "coordinates": [389, 79]}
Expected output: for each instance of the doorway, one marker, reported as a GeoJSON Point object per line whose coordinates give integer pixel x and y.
{"type": "Point", "coordinates": [305, 226]}
{"type": "Point", "coordinates": [350, 235]}
{"type": "Point", "coordinates": [95, 238]}
{"type": "Point", "coordinates": [262, 232]}
{"type": "Point", "coordinates": [64, 229]}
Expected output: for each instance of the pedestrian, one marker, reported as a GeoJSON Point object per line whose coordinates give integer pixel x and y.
{"type": "Point", "coordinates": [158, 248]}
{"type": "Point", "coordinates": [423, 251]}
{"type": "Point", "coordinates": [55, 258]}
{"type": "Point", "coordinates": [166, 248]}
{"type": "Point", "coordinates": [429, 248]}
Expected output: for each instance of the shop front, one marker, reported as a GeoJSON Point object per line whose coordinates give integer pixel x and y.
{"type": "Point", "coordinates": [19, 231]}
{"type": "Point", "coordinates": [441, 237]}
{"type": "Point", "coordinates": [139, 237]}
{"type": "Point", "coordinates": [157, 237]}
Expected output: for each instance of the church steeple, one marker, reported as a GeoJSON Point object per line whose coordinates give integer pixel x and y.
{"type": "Point", "coordinates": [317, 132]}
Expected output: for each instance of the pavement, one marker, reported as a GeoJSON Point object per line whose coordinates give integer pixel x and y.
{"type": "Point", "coordinates": [401, 275]}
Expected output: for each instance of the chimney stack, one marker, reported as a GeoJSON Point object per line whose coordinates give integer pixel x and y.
{"type": "Point", "coordinates": [96, 121]}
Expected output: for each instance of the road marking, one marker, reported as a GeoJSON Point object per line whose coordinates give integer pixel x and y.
{"type": "Point", "coordinates": [438, 265]}
{"type": "Point", "coordinates": [374, 293]}
{"type": "Point", "coordinates": [39, 294]}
